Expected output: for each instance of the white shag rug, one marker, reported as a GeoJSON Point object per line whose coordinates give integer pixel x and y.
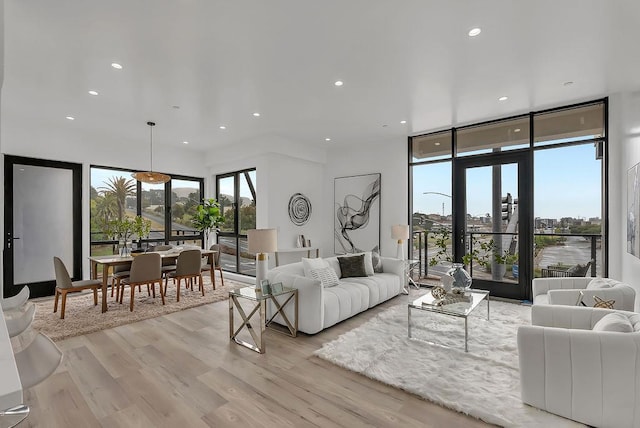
{"type": "Point", "coordinates": [483, 383]}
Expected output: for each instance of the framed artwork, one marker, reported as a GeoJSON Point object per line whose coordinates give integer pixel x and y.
{"type": "Point", "coordinates": [299, 209]}
{"type": "Point", "coordinates": [633, 210]}
{"type": "Point", "coordinates": [356, 213]}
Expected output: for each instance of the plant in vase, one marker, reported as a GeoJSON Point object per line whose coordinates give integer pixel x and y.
{"type": "Point", "coordinates": [142, 228]}
{"type": "Point", "coordinates": [207, 218]}
{"type": "Point", "coordinates": [122, 231]}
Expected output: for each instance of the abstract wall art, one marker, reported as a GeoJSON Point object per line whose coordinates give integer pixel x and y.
{"type": "Point", "coordinates": [299, 209]}
{"type": "Point", "coordinates": [356, 213]}
{"type": "Point", "coordinates": [633, 210]}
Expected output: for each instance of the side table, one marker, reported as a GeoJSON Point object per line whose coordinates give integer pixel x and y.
{"type": "Point", "coordinates": [260, 305]}
{"type": "Point", "coordinates": [408, 268]}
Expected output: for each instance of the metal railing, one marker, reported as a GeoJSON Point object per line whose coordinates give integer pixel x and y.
{"type": "Point", "coordinates": [551, 250]}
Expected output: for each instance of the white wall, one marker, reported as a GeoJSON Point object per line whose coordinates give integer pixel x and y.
{"type": "Point", "coordinates": [282, 169]}
{"type": "Point", "coordinates": [625, 143]}
{"type": "Point", "coordinates": [389, 159]}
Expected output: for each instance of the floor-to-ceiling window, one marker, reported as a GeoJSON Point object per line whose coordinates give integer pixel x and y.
{"type": "Point", "coordinates": [513, 199]}
{"type": "Point", "coordinates": [169, 207]}
{"type": "Point", "coordinates": [236, 193]}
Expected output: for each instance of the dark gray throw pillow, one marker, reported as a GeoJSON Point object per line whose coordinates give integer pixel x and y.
{"type": "Point", "coordinates": [352, 266]}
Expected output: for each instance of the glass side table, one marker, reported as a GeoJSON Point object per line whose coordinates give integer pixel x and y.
{"type": "Point", "coordinates": [288, 296]}
{"type": "Point", "coordinates": [409, 265]}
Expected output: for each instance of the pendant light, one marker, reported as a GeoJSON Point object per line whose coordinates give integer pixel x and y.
{"type": "Point", "coordinates": [150, 176]}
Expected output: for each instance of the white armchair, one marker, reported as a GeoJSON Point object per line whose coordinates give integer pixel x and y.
{"type": "Point", "coordinates": [566, 291]}
{"type": "Point", "coordinates": [588, 376]}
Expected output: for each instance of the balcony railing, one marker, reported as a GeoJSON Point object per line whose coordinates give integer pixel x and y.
{"type": "Point", "coordinates": [552, 252]}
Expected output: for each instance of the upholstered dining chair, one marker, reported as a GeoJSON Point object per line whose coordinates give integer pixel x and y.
{"type": "Point", "coordinates": [64, 285]}
{"type": "Point", "coordinates": [168, 265]}
{"type": "Point", "coordinates": [145, 269]}
{"type": "Point", "coordinates": [187, 268]}
{"type": "Point", "coordinates": [216, 265]}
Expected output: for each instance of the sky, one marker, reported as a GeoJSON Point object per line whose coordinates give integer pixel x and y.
{"type": "Point", "coordinates": [99, 177]}
{"type": "Point", "coordinates": [567, 183]}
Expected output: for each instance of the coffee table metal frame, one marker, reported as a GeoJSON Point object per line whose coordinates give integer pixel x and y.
{"type": "Point", "coordinates": [459, 310]}
{"type": "Point", "coordinates": [250, 294]}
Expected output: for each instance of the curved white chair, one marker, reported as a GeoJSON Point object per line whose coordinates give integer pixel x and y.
{"type": "Point", "coordinates": [566, 291]}
{"type": "Point", "coordinates": [37, 361]}
{"type": "Point", "coordinates": [19, 319]}
{"type": "Point", "coordinates": [568, 369]}
{"type": "Point", "coordinates": [15, 301]}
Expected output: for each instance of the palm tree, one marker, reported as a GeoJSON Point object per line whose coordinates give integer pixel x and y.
{"type": "Point", "coordinates": [121, 188]}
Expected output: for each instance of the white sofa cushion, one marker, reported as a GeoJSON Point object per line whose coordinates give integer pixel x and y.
{"type": "Point", "coordinates": [597, 283]}
{"type": "Point", "coordinates": [381, 287]}
{"type": "Point", "coordinates": [326, 275]}
{"type": "Point", "coordinates": [614, 322]}
{"type": "Point", "coordinates": [343, 301]}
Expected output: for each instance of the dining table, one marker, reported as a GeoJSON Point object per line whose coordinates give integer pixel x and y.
{"type": "Point", "coordinates": [108, 262]}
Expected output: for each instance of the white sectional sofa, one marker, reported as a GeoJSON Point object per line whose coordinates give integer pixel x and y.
{"type": "Point", "coordinates": [321, 307]}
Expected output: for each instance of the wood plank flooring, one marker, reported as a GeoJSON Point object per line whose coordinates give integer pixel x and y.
{"type": "Point", "coordinates": [181, 370]}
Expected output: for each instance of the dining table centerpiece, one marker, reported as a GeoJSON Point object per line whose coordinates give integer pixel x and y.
{"type": "Point", "coordinates": [121, 230]}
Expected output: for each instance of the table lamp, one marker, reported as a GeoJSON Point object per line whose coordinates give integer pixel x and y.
{"type": "Point", "coordinates": [400, 232]}
{"type": "Point", "coordinates": [261, 242]}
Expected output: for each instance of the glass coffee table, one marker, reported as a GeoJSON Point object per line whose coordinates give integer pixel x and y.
{"type": "Point", "coordinates": [460, 309]}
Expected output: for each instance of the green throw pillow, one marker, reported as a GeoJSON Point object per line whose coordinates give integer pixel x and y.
{"type": "Point", "coordinates": [352, 266]}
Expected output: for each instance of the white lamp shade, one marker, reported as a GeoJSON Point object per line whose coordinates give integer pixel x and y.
{"type": "Point", "coordinates": [400, 231]}
{"type": "Point", "coordinates": [263, 240]}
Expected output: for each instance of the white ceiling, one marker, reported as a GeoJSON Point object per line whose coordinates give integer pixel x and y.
{"type": "Point", "coordinates": [220, 61]}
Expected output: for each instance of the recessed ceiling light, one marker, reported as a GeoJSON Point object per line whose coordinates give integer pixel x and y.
{"type": "Point", "coordinates": [327, 139]}
{"type": "Point", "coordinates": [93, 93]}
{"type": "Point", "coordinates": [185, 142]}
{"type": "Point", "coordinates": [222, 127]}
{"type": "Point", "coordinates": [516, 130]}
{"type": "Point", "coordinates": [70, 118]}
{"type": "Point", "coordinates": [474, 32]}
{"type": "Point", "coordinates": [569, 83]}
{"type": "Point", "coordinates": [116, 66]}
{"type": "Point", "coordinates": [403, 122]}
{"type": "Point", "coordinates": [256, 114]}
{"type": "Point", "coordinates": [503, 98]}
{"type": "Point", "coordinates": [339, 83]}
{"type": "Point", "coordinates": [437, 144]}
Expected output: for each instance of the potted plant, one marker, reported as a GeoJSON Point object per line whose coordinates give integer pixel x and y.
{"type": "Point", "coordinates": [142, 228]}
{"type": "Point", "coordinates": [207, 218]}
{"type": "Point", "coordinates": [120, 230]}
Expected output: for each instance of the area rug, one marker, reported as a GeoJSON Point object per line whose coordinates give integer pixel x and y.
{"type": "Point", "coordinates": [82, 317]}
{"type": "Point", "coordinates": [483, 383]}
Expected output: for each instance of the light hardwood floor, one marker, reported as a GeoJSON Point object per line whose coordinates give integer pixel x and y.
{"type": "Point", "coordinates": [181, 370]}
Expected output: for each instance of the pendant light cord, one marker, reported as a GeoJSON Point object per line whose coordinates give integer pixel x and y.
{"type": "Point", "coordinates": [151, 125]}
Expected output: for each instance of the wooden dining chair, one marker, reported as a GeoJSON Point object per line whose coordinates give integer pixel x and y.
{"type": "Point", "coordinates": [64, 285]}
{"type": "Point", "coordinates": [187, 268]}
{"type": "Point", "coordinates": [216, 266]}
{"type": "Point", "coordinates": [145, 269]}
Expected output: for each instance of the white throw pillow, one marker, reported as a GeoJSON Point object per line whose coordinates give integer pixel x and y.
{"type": "Point", "coordinates": [614, 322]}
{"type": "Point", "coordinates": [326, 275]}
{"type": "Point", "coordinates": [308, 264]}
{"type": "Point", "coordinates": [596, 283]}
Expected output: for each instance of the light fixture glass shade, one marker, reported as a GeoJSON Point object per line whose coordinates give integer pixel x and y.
{"type": "Point", "coordinates": [263, 240]}
{"type": "Point", "coordinates": [400, 231]}
{"type": "Point", "coordinates": [150, 176]}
